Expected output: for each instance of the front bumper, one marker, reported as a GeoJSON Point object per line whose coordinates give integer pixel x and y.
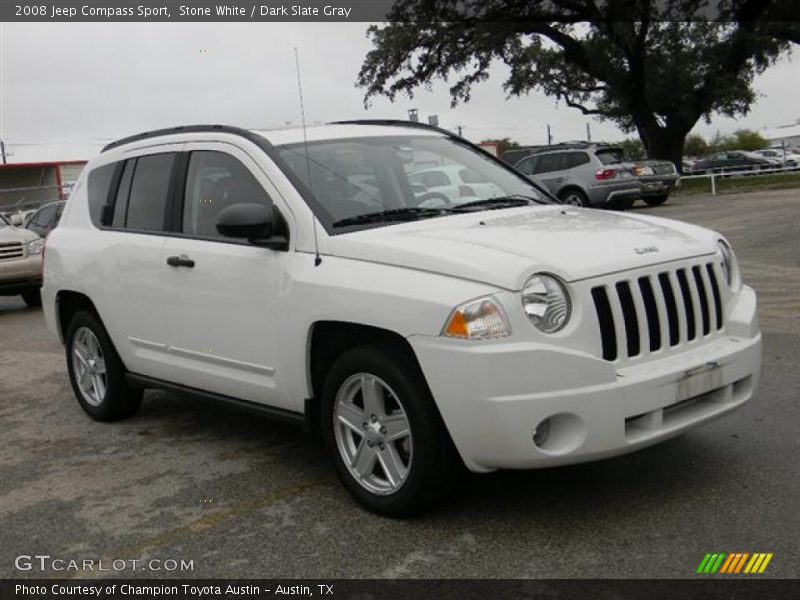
{"type": "Point", "coordinates": [492, 396]}
{"type": "Point", "coordinates": [21, 274]}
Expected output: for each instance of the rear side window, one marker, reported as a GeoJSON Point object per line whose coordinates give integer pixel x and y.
{"type": "Point", "coordinates": [576, 159]}
{"type": "Point", "coordinates": [550, 162]}
{"type": "Point", "coordinates": [147, 201]}
{"type": "Point", "coordinates": [97, 191]}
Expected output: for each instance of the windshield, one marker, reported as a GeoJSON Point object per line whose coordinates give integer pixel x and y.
{"type": "Point", "coordinates": [3, 222]}
{"type": "Point", "coordinates": [359, 176]}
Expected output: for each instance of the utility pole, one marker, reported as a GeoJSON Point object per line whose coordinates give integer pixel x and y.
{"type": "Point", "coordinates": [3, 150]}
{"type": "Point", "coordinates": [549, 137]}
{"type": "Point", "coordinates": [459, 130]}
{"type": "Point", "coordinates": [588, 133]}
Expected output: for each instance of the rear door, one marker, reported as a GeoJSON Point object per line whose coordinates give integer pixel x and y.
{"type": "Point", "coordinates": [223, 298]}
{"type": "Point", "coordinates": [134, 223]}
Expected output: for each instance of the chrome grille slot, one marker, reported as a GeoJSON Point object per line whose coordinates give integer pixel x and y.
{"type": "Point", "coordinates": [654, 313]}
{"type": "Point", "coordinates": [11, 250]}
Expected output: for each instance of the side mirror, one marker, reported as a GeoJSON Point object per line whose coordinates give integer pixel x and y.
{"type": "Point", "coordinates": [253, 222]}
{"type": "Point", "coordinates": [245, 221]}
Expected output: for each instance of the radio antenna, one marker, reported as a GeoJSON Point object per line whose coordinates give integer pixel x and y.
{"type": "Point", "coordinates": [317, 257]}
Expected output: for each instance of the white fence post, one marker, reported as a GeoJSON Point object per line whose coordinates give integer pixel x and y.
{"type": "Point", "coordinates": [713, 185]}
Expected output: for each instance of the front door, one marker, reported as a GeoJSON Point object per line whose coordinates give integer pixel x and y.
{"type": "Point", "coordinates": [222, 295]}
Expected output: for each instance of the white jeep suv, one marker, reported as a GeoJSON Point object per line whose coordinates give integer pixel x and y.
{"type": "Point", "coordinates": [298, 275]}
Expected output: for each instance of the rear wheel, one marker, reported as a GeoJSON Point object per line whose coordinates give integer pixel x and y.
{"type": "Point", "coordinates": [388, 442]}
{"type": "Point", "coordinates": [656, 200]}
{"type": "Point", "coordinates": [32, 297]}
{"type": "Point", "coordinates": [96, 371]}
{"type": "Point", "coordinates": [574, 197]}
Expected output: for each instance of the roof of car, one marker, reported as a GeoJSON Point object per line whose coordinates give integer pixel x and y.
{"type": "Point", "coordinates": [292, 135]}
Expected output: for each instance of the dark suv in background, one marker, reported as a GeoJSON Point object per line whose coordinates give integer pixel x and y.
{"type": "Point", "coordinates": [597, 175]}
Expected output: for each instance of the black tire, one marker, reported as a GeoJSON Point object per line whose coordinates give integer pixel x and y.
{"type": "Point", "coordinates": [119, 400]}
{"type": "Point", "coordinates": [431, 471]}
{"type": "Point", "coordinates": [621, 203]}
{"type": "Point", "coordinates": [32, 297]}
{"type": "Point", "coordinates": [574, 197]}
{"type": "Point", "coordinates": [656, 200]}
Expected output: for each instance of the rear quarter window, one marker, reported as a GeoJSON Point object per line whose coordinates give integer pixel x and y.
{"type": "Point", "coordinates": [97, 190]}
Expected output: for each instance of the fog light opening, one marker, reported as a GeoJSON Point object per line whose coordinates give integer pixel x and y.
{"type": "Point", "coordinates": [541, 433]}
{"type": "Point", "coordinates": [558, 434]}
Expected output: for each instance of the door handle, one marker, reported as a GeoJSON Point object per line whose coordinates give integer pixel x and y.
{"type": "Point", "coordinates": [180, 261]}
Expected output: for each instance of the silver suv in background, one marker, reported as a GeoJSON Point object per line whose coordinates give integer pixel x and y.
{"type": "Point", "coordinates": [580, 174]}
{"type": "Point", "coordinates": [596, 175]}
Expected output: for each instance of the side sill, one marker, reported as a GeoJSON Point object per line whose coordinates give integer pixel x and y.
{"type": "Point", "coordinates": [270, 412]}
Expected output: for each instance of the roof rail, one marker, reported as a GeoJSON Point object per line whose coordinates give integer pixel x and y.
{"type": "Point", "coordinates": [176, 130]}
{"type": "Point", "coordinates": [396, 123]}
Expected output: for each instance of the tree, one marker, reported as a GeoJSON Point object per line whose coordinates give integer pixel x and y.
{"type": "Point", "coordinates": [503, 145]}
{"type": "Point", "coordinates": [745, 139]}
{"type": "Point", "coordinates": [633, 148]}
{"type": "Point", "coordinates": [657, 72]}
{"type": "Point", "coordinates": [695, 145]}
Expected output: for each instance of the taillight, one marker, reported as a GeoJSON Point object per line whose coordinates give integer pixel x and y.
{"type": "Point", "coordinates": [465, 191]}
{"type": "Point", "coordinates": [605, 174]}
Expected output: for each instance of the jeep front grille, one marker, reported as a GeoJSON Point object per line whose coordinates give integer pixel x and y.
{"type": "Point", "coordinates": [659, 311]}
{"type": "Point", "coordinates": [11, 250]}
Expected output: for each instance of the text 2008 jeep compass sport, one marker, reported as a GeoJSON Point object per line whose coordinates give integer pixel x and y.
{"type": "Point", "coordinates": [308, 279]}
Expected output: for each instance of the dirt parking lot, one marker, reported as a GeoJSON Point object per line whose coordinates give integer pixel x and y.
{"type": "Point", "coordinates": [249, 498]}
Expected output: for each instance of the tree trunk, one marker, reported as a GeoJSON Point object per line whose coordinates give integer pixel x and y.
{"type": "Point", "coordinates": [664, 142]}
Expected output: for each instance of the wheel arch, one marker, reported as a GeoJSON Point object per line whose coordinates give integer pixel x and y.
{"type": "Point", "coordinates": [69, 302]}
{"type": "Point", "coordinates": [571, 187]}
{"type": "Point", "coordinates": [329, 339]}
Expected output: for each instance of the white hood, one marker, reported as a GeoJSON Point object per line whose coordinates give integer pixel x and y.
{"type": "Point", "coordinates": [504, 247]}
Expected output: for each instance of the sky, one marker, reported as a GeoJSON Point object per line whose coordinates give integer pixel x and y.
{"type": "Point", "coordinates": [66, 89]}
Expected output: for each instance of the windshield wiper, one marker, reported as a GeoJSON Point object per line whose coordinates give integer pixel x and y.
{"type": "Point", "coordinates": [407, 213]}
{"type": "Point", "coordinates": [497, 202]}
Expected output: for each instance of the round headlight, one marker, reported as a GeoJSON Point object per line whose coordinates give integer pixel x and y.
{"type": "Point", "coordinates": [728, 263]}
{"type": "Point", "coordinates": [546, 302]}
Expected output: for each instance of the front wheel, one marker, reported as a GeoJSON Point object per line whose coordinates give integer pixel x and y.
{"type": "Point", "coordinates": [380, 424]}
{"type": "Point", "coordinates": [96, 372]}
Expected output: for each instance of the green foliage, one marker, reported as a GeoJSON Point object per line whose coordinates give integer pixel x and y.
{"type": "Point", "coordinates": [695, 145]}
{"type": "Point", "coordinates": [503, 144]}
{"type": "Point", "coordinates": [657, 72]}
{"type": "Point", "coordinates": [633, 148]}
{"type": "Point", "coordinates": [741, 139]}
{"type": "Point", "coordinates": [745, 139]}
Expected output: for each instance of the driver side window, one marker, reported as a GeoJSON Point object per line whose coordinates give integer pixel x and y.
{"type": "Point", "coordinates": [215, 181]}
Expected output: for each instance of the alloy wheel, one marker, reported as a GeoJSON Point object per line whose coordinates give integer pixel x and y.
{"type": "Point", "coordinates": [89, 366]}
{"type": "Point", "coordinates": [373, 433]}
